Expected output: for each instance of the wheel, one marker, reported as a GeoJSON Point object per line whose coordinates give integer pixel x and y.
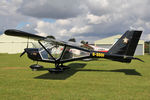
{"type": "Point", "coordinates": [36, 67]}
{"type": "Point", "coordinates": [65, 67]}
{"type": "Point", "coordinates": [55, 70]}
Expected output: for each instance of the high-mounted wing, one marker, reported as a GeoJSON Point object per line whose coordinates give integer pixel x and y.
{"type": "Point", "coordinates": [13, 32]}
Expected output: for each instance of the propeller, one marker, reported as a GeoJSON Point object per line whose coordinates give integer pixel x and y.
{"type": "Point", "coordinates": [25, 48]}
{"type": "Point", "coordinates": [23, 53]}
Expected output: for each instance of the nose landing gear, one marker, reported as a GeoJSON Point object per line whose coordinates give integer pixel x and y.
{"type": "Point", "coordinates": [36, 67]}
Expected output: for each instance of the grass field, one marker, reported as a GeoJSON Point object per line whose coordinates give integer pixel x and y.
{"type": "Point", "coordinates": [93, 80]}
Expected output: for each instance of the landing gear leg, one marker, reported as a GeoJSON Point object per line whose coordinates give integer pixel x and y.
{"type": "Point", "coordinates": [57, 69]}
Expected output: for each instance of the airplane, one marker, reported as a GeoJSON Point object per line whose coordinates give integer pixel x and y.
{"type": "Point", "coordinates": [60, 52]}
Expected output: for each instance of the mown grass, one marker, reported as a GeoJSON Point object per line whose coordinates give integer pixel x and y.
{"type": "Point", "coordinates": [93, 80]}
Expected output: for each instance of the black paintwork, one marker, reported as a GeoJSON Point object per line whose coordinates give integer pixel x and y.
{"type": "Point", "coordinates": [121, 48]}
{"type": "Point", "coordinates": [14, 32]}
{"type": "Point", "coordinates": [33, 53]}
{"type": "Point", "coordinates": [122, 51]}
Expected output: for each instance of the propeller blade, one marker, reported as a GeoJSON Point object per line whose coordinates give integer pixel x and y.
{"type": "Point", "coordinates": [22, 53]}
{"type": "Point", "coordinates": [13, 32]}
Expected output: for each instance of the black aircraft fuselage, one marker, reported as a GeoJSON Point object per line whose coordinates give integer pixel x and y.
{"type": "Point", "coordinates": [33, 54]}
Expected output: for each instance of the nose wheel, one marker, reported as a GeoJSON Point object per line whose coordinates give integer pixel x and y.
{"type": "Point", "coordinates": [36, 67]}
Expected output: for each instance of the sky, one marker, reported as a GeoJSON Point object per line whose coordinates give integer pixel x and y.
{"type": "Point", "coordinates": [87, 20]}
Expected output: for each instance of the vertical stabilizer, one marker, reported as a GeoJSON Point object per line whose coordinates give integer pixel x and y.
{"type": "Point", "coordinates": [125, 47]}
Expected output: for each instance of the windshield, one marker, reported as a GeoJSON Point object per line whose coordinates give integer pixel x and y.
{"type": "Point", "coordinates": [53, 49]}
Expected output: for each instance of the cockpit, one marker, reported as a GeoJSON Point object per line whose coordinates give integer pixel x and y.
{"type": "Point", "coordinates": [53, 50]}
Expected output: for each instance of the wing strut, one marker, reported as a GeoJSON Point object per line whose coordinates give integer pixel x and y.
{"type": "Point", "coordinates": [62, 53]}
{"type": "Point", "coordinates": [46, 50]}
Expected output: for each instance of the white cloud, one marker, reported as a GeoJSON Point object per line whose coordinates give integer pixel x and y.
{"type": "Point", "coordinates": [93, 19]}
{"type": "Point", "coordinates": [148, 25]}
{"type": "Point", "coordinates": [42, 34]}
{"type": "Point", "coordinates": [63, 32]}
{"type": "Point", "coordinates": [51, 8]}
{"type": "Point", "coordinates": [99, 3]}
{"type": "Point", "coordinates": [148, 37]}
{"type": "Point", "coordinates": [83, 19]}
{"type": "Point", "coordinates": [78, 30]}
{"type": "Point", "coordinates": [63, 22]}
{"type": "Point", "coordinates": [43, 27]}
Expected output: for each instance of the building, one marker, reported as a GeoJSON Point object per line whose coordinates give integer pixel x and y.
{"type": "Point", "coordinates": [109, 41]}
{"type": "Point", "coordinates": [12, 44]}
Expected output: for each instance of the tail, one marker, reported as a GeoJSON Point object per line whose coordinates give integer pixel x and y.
{"type": "Point", "coordinates": [123, 50]}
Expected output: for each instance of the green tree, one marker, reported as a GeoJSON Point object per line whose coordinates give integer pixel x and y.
{"type": "Point", "coordinates": [147, 47]}
{"type": "Point", "coordinates": [84, 42]}
{"type": "Point", "coordinates": [51, 37]}
{"type": "Point", "coordinates": [72, 40]}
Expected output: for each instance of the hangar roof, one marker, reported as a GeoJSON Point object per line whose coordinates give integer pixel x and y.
{"type": "Point", "coordinates": [112, 40]}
